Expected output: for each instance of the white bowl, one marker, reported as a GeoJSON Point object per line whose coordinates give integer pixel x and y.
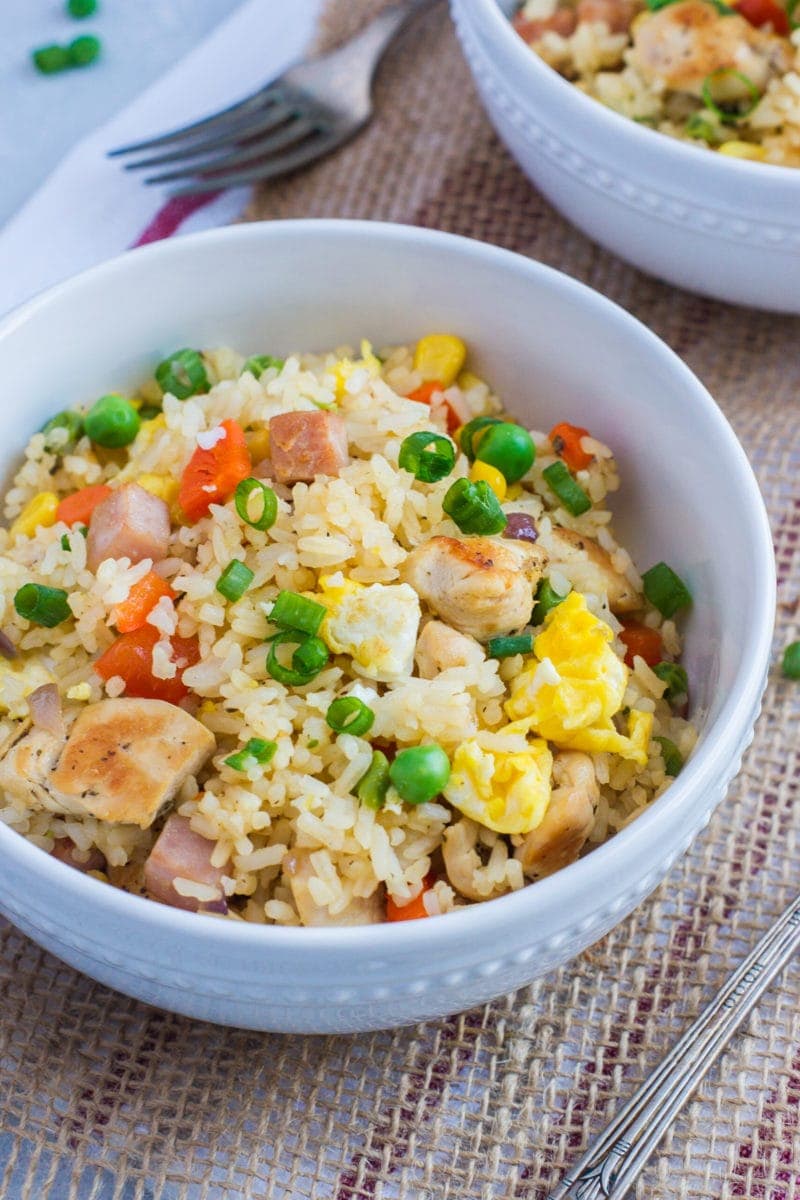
{"type": "Point", "coordinates": [555, 350]}
{"type": "Point", "coordinates": [721, 226]}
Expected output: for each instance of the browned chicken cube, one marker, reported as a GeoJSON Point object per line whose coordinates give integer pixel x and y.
{"type": "Point", "coordinates": [130, 523]}
{"type": "Point", "coordinates": [180, 853]}
{"type": "Point", "coordinates": [306, 444]}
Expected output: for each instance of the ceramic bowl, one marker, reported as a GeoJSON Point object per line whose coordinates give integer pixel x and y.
{"type": "Point", "coordinates": [721, 226]}
{"type": "Point", "coordinates": [554, 350]}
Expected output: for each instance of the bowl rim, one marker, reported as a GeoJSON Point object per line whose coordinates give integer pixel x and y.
{"type": "Point", "coordinates": [708, 765]}
{"type": "Point", "coordinates": [586, 107]}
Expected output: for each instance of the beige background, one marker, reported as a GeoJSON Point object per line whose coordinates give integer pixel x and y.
{"type": "Point", "coordinates": [101, 1097]}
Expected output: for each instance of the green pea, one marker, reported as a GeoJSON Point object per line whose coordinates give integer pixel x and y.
{"type": "Point", "coordinates": [49, 60]}
{"type": "Point", "coordinates": [420, 773]}
{"type": "Point", "coordinates": [83, 50]}
{"type": "Point", "coordinates": [509, 448]}
{"type": "Point", "coordinates": [112, 422]}
{"type": "Point", "coordinates": [62, 432]}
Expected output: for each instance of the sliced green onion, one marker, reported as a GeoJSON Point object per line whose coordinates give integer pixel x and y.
{"type": "Point", "coordinates": [474, 507]}
{"type": "Point", "coordinates": [234, 580]}
{"type": "Point", "coordinates": [547, 598]}
{"type": "Point", "coordinates": [348, 714]}
{"type": "Point", "coordinates": [560, 481]}
{"type": "Point", "coordinates": [259, 363]}
{"type": "Point", "coordinates": [790, 663]}
{"type": "Point", "coordinates": [671, 755]}
{"type": "Point", "coordinates": [665, 590]}
{"type": "Point", "coordinates": [82, 529]}
{"type": "Point", "coordinates": [508, 448]}
{"type": "Point", "coordinates": [675, 677]}
{"type": "Point", "coordinates": [62, 432]}
{"type": "Point", "coordinates": [726, 115]}
{"type": "Point", "coordinates": [307, 660]}
{"type": "Point", "coordinates": [49, 60]}
{"type": "Point", "coordinates": [701, 125]}
{"type": "Point", "coordinates": [149, 412]}
{"type": "Point", "coordinates": [183, 375]}
{"type": "Point", "coordinates": [372, 787]}
{"type": "Point", "coordinates": [42, 605]}
{"type": "Point", "coordinates": [81, 8]}
{"type": "Point", "coordinates": [291, 611]}
{"type": "Point", "coordinates": [267, 501]}
{"type": "Point", "coordinates": [505, 647]}
{"type": "Point", "coordinates": [256, 752]}
{"type": "Point", "coordinates": [83, 50]}
{"type": "Point", "coordinates": [791, 9]}
{"type": "Point", "coordinates": [427, 456]}
{"type": "Point", "coordinates": [655, 5]}
{"type": "Point", "coordinates": [471, 429]}
{"type": "Point", "coordinates": [420, 773]}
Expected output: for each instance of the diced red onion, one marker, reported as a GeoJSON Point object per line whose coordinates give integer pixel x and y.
{"type": "Point", "coordinates": [7, 647]}
{"type": "Point", "coordinates": [214, 906]}
{"type": "Point", "coordinates": [45, 709]}
{"type": "Point", "coordinates": [520, 527]}
{"type": "Point", "coordinates": [67, 852]}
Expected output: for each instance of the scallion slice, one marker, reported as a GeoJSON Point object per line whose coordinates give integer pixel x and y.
{"type": "Point", "coordinates": [671, 755]}
{"type": "Point", "coordinates": [42, 605]}
{"type": "Point", "coordinates": [505, 647]}
{"type": "Point", "coordinates": [560, 481]}
{"type": "Point", "coordinates": [675, 677]}
{"type": "Point", "coordinates": [372, 787]}
{"type": "Point", "coordinates": [790, 663]}
{"type": "Point", "coordinates": [256, 753]}
{"type": "Point", "coordinates": [307, 660]}
{"type": "Point", "coordinates": [427, 456]}
{"type": "Point", "coordinates": [729, 116]}
{"type": "Point", "coordinates": [474, 507]}
{"type": "Point", "coordinates": [348, 714]}
{"type": "Point", "coordinates": [470, 431]}
{"type": "Point", "coordinates": [183, 375]}
{"type": "Point", "coordinates": [266, 503]}
{"type": "Point", "coordinates": [259, 363]}
{"type": "Point", "coordinates": [234, 580]}
{"type": "Point", "coordinates": [82, 529]}
{"type": "Point", "coordinates": [292, 611]}
{"type": "Point", "coordinates": [665, 590]}
{"type": "Point", "coordinates": [547, 598]}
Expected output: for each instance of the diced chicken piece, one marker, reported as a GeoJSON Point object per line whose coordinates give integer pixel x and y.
{"type": "Point", "coordinates": [589, 568]}
{"type": "Point", "coordinates": [481, 586]}
{"type": "Point", "coordinates": [122, 760]}
{"type": "Point", "coordinates": [566, 825]}
{"type": "Point", "coordinates": [462, 862]}
{"type": "Point", "coordinates": [616, 15]}
{"type": "Point", "coordinates": [439, 647]}
{"type": "Point", "coordinates": [298, 871]}
{"type": "Point", "coordinates": [306, 444]}
{"type": "Point", "coordinates": [67, 852]}
{"type": "Point", "coordinates": [680, 45]}
{"type": "Point", "coordinates": [562, 21]}
{"type": "Point", "coordinates": [181, 854]}
{"type": "Point", "coordinates": [130, 523]}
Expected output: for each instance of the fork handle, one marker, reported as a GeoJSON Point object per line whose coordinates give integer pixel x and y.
{"type": "Point", "coordinates": [613, 1162]}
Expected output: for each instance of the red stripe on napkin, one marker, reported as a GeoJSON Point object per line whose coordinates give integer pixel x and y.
{"type": "Point", "coordinates": [171, 216]}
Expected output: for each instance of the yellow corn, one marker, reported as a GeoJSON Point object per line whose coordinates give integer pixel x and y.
{"type": "Point", "coordinates": [162, 486]}
{"type": "Point", "coordinates": [514, 491]}
{"type": "Point", "coordinates": [440, 356]}
{"type": "Point", "coordinates": [491, 475]}
{"type": "Point", "coordinates": [467, 380]}
{"type": "Point", "coordinates": [258, 444]}
{"type": "Point", "coordinates": [208, 706]}
{"type": "Point", "coordinates": [743, 150]}
{"type": "Point", "coordinates": [81, 691]}
{"type": "Point", "coordinates": [99, 875]}
{"type": "Point", "coordinates": [41, 510]}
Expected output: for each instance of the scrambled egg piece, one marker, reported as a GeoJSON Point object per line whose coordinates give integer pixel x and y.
{"type": "Point", "coordinates": [506, 792]}
{"type": "Point", "coordinates": [575, 712]}
{"type": "Point", "coordinates": [376, 625]}
{"type": "Point", "coordinates": [16, 684]}
{"type": "Point", "coordinates": [344, 368]}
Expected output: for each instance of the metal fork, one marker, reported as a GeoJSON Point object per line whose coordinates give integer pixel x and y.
{"type": "Point", "coordinates": [309, 111]}
{"type": "Point", "coordinates": [613, 1162]}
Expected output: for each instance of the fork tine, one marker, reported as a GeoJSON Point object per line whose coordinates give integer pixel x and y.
{"type": "Point", "coordinates": [312, 148]}
{"type": "Point", "coordinates": [276, 115]}
{"type": "Point", "coordinates": [264, 96]}
{"type": "Point", "coordinates": [296, 131]}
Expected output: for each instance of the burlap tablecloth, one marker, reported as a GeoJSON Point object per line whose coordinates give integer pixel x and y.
{"type": "Point", "coordinates": [101, 1097]}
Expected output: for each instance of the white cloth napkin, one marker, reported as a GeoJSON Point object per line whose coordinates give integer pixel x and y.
{"type": "Point", "coordinates": [90, 209]}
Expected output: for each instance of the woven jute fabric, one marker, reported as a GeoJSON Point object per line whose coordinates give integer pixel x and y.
{"type": "Point", "coordinates": [102, 1098]}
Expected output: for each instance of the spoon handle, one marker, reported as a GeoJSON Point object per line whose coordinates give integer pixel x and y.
{"type": "Point", "coordinates": [613, 1162]}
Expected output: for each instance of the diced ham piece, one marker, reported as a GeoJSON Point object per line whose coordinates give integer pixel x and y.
{"type": "Point", "coordinates": [615, 14]}
{"type": "Point", "coordinates": [306, 444]}
{"type": "Point", "coordinates": [67, 852]}
{"type": "Point", "coordinates": [180, 853]}
{"type": "Point", "coordinates": [130, 523]}
{"type": "Point", "coordinates": [563, 21]}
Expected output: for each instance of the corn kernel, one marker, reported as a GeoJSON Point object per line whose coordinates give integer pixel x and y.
{"type": "Point", "coordinates": [99, 875]}
{"type": "Point", "coordinates": [736, 149]}
{"type": "Point", "coordinates": [81, 691]}
{"type": "Point", "coordinates": [490, 475]}
{"type": "Point", "coordinates": [160, 485]}
{"type": "Point", "coordinates": [258, 444]}
{"type": "Point", "coordinates": [468, 379]}
{"type": "Point", "coordinates": [514, 491]}
{"type": "Point", "coordinates": [208, 706]}
{"type": "Point", "coordinates": [440, 356]}
{"type": "Point", "coordinates": [40, 510]}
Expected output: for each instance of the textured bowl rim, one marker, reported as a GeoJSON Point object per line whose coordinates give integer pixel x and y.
{"type": "Point", "coordinates": [707, 767]}
{"type": "Point", "coordinates": [586, 107]}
